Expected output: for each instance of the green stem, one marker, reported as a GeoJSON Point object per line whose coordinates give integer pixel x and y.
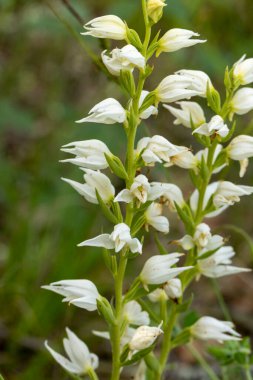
{"type": "Point", "coordinates": [202, 362]}
{"type": "Point", "coordinates": [92, 374]}
{"type": "Point", "coordinates": [115, 330]}
{"type": "Point", "coordinates": [131, 171]}
{"type": "Point", "coordinates": [248, 374]}
{"type": "Point", "coordinates": [166, 345]}
{"type": "Point", "coordinates": [202, 191]}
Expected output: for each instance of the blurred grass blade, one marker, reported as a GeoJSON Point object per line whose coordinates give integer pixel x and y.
{"type": "Point", "coordinates": [242, 233]}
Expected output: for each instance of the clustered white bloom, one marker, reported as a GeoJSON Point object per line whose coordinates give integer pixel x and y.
{"type": "Point", "coordinates": [117, 240]}
{"type": "Point", "coordinates": [160, 279]}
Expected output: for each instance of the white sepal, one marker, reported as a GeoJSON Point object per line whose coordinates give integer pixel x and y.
{"type": "Point", "coordinates": [208, 328]}
{"type": "Point", "coordinates": [158, 269]}
{"type": "Point", "coordinates": [176, 39]}
{"type": "Point", "coordinates": [80, 360]}
{"type": "Point", "coordinates": [243, 71]}
{"type": "Point", "coordinates": [144, 337]}
{"type": "Point", "coordinates": [218, 265]}
{"type": "Point", "coordinates": [94, 181]}
{"type": "Point", "coordinates": [109, 111]}
{"type": "Point", "coordinates": [173, 288]}
{"type": "Point", "coordinates": [135, 315]}
{"type": "Point", "coordinates": [190, 112]}
{"type": "Point", "coordinates": [242, 101]}
{"type": "Point", "coordinates": [117, 240]}
{"type": "Point", "coordinates": [108, 26]}
{"type": "Point", "coordinates": [126, 58]}
{"type": "Point", "coordinates": [215, 126]}
{"type": "Point", "coordinates": [89, 154]}
{"type": "Point", "coordinates": [81, 293]}
{"type": "Point", "coordinates": [155, 219]}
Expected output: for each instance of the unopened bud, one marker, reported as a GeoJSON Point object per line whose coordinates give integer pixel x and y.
{"type": "Point", "coordinates": [155, 9]}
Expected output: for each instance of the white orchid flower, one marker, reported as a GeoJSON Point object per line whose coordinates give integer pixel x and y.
{"type": "Point", "coordinates": [199, 81]}
{"type": "Point", "coordinates": [158, 149]}
{"type": "Point", "coordinates": [94, 181]}
{"type": "Point", "coordinates": [117, 240]}
{"type": "Point", "coordinates": [155, 219]}
{"type": "Point", "coordinates": [242, 101]}
{"type": "Point", "coordinates": [144, 337]}
{"type": "Point", "coordinates": [151, 110]}
{"type": "Point", "coordinates": [190, 113]}
{"type": "Point", "coordinates": [176, 39]}
{"type": "Point", "coordinates": [126, 58]}
{"type": "Point", "coordinates": [108, 26]}
{"type": "Point", "coordinates": [228, 193]}
{"type": "Point", "coordinates": [175, 87]}
{"type": "Point", "coordinates": [208, 328]}
{"type": "Point", "coordinates": [202, 235]}
{"type": "Point", "coordinates": [81, 293]}
{"type": "Point", "coordinates": [139, 189]}
{"type": "Point", "coordinates": [80, 360]}
{"type": "Point", "coordinates": [215, 126]}
{"type": "Point", "coordinates": [241, 149]}
{"type": "Point", "coordinates": [218, 265]}
{"type": "Point", "coordinates": [173, 288]}
{"type": "Point", "coordinates": [243, 71]}
{"type": "Point", "coordinates": [109, 111]}
{"type": "Point", "coordinates": [185, 159]}
{"type": "Point", "coordinates": [170, 194]}
{"type": "Point", "coordinates": [158, 269]}
{"type": "Point", "coordinates": [89, 154]}
{"type": "Point", "coordinates": [134, 314]}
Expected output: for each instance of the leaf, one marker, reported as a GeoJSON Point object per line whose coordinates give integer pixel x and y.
{"type": "Point", "coordinates": [116, 166]}
{"type": "Point", "coordinates": [186, 219]}
{"type": "Point", "coordinates": [105, 209]}
{"type": "Point", "coordinates": [138, 356]}
{"type": "Point", "coordinates": [127, 81]}
{"type": "Point", "coordinates": [182, 338]}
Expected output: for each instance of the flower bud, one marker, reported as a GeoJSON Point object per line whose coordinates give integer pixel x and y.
{"type": "Point", "coordinates": [240, 147]}
{"type": "Point", "coordinates": [155, 9]}
{"type": "Point", "coordinates": [144, 337]}
{"type": "Point", "coordinates": [242, 101]}
{"type": "Point", "coordinates": [173, 288]}
{"type": "Point", "coordinates": [202, 235]}
{"type": "Point", "coordinates": [243, 71]}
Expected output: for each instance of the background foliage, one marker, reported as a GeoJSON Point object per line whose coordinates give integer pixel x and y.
{"type": "Point", "coordinates": [47, 81]}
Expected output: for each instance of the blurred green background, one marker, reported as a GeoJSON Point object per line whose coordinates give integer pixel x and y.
{"type": "Point", "coordinates": [47, 82]}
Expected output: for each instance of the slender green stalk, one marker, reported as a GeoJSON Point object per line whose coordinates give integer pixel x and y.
{"type": "Point", "coordinates": [248, 374]}
{"type": "Point", "coordinates": [166, 345]}
{"type": "Point", "coordinates": [206, 367]}
{"type": "Point", "coordinates": [92, 374]}
{"type": "Point", "coordinates": [115, 331]}
{"type": "Point", "coordinates": [221, 301]}
{"type": "Point", "coordinates": [131, 171]}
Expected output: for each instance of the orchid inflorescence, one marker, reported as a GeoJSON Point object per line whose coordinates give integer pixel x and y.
{"type": "Point", "coordinates": [134, 322]}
